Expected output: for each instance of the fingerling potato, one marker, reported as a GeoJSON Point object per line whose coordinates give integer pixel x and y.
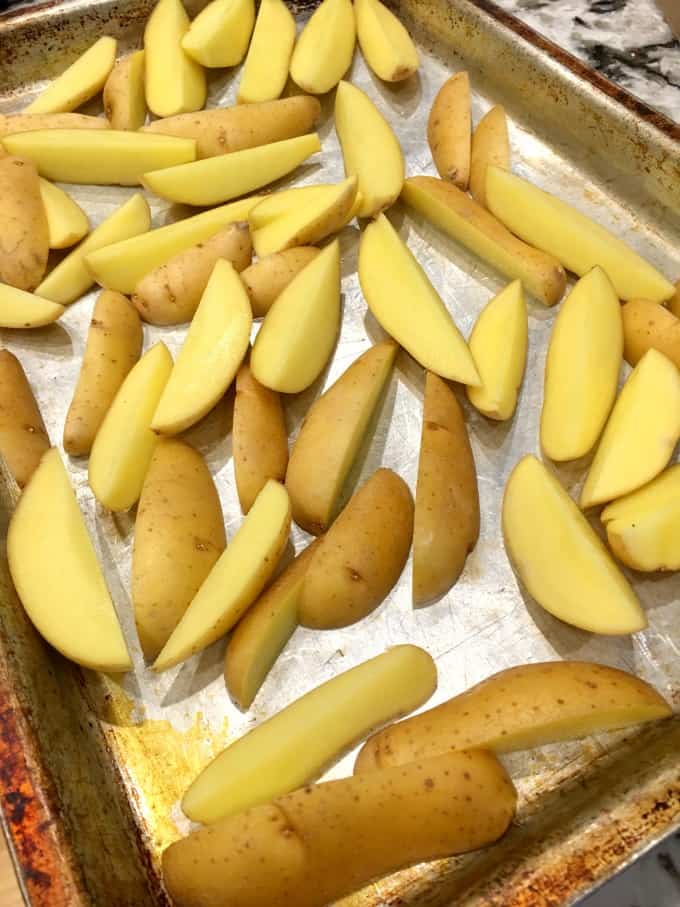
{"type": "Point", "coordinates": [29, 122]}
{"type": "Point", "coordinates": [23, 436]}
{"type": "Point", "coordinates": [449, 130]}
{"type": "Point", "coordinates": [266, 278]}
{"type": "Point", "coordinates": [124, 99]}
{"type": "Point", "coordinates": [24, 238]}
{"type": "Point", "coordinates": [648, 325]}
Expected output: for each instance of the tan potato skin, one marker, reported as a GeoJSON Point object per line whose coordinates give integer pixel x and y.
{"type": "Point", "coordinates": [490, 145]}
{"type": "Point", "coordinates": [117, 95]}
{"type": "Point", "coordinates": [361, 556]}
{"type": "Point", "coordinates": [24, 237]}
{"type": "Point", "coordinates": [674, 302]}
{"type": "Point", "coordinates": [243, 126]}
{"type": "Point", "coordinates": [260, 439]}
{"type": "Point", "coordinates": [295, 850]}
{"type": "Point", "coordinates": [648, 325]}
{"type": "Point", "coordinates": [265, 279]}
{"type": "Point", "coordinates": [28, 122]}
{"type": "Point", "coordinates": [170, 294]}
{"type": "Point", "coordinates": [449, 130]}
{"type": "Point", "coordinates": [179, 534]}
{"type": "Point", "coordinates": [446, 524]}
{"type": "Point", "coordinates": [23, 436]}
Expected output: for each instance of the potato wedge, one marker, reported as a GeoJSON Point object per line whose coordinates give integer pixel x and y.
{"type": "Point", "coordinates": [114, 344]}
{"type": "Point", "coordinates": [449, 130]}
{"type": "Point", "coordinates": [124, 98]}
{"type": "Point", "coordinates": [82, 80]}
{"type": "Point", "coordinates": [19, 309]}
{"type": "Point", "coordinates": [23, 436]}
{"type": "Point", "coordinates": [295, 850]}
{"type": "Point", "coordinates": [648, 325]}
{"type": "Point", "coordinates": [446, 522]}
{"type": "Point", "coordinates": [288, 201]}
{"type": "Point", "coordinates": [325, 47]}
{"type": "Point", "coordinates": [171, 292]}
{"type": "Point", "coordinates": [361, 556]}
{"type": "Point", "coordinates": [57, 575]}
{"type": "Point", "coordinates": [268, 277]}
{"type": "Point", "coordinates": [12, 123]}
{"type": "Point", "coordinates": [67, 223]}
{"type": "Point", "coordinates": [331, 435]}
{"type": "Point", "coordinates": [24, 239]}
{"type": "Point", "coordinates": [385, 44]}
{"type": "Point", "coordinates": [518, 709]}
{"type": "Point", "coordinates": [220, 33]}
{"type": "Point", "coordinates": [235, 581]}
{"type": "Point", "coordinates": [673, 302]}
{"type": "Point", "coordinates": [303, 739]}
{"type": "Point", "coordinates": [179, 535]}
{"type": "Point", "coordinates": [490, 146]}
{"type": "Point", "coordinates": [265, 70]}
{"type": "Point", "coordinates": [173, 82]}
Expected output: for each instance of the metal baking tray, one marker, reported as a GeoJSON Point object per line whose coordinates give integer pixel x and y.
{"type": "Point", "coordinates": [91, 767]}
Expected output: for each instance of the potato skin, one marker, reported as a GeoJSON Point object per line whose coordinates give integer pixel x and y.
{"type": "Point", "coordinates": [170, 294]}
{"type": "Point", "coordinates": [24, 238]}
{"type": "Point", "coordinates": [361, 556]}
{"type": "Point", "coordinates": [23, 436]}
{"type": "Point", "coordinates": [123, 96]}
{"type": "Point", "coordinates": [294, 850]}
{"type": "Point", "coordinates": [648, 325]}
{"type": "Point", "coordinates": [114, 344]}
{"type": "Point", "coordinates": [449, 130]}
{"type": "Point", "coordinates": [265, 279]}
{"type": "Point", "coordinates": [179, 534]}
{"type": "Point", "coordinates": [28, 122]}
{"type": "Point", "coordinates": [490, 145]}
{"type": "Point", "coordinates": [446, 526]}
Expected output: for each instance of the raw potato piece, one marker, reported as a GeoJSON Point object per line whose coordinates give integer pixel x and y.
{"type": "Point", "coordinates": [23, 436]}
{"type": "Point", "coordinates": [674, 301]}
{"type": "Point", "coordinates": [170, 294]}
{"type": "Point", "coordinates": [408, 307]}
{"type": "Point", "coordinates": [641, 433]}
{"type": "Point", "coordinates": [124, 98]}
{"type": "Point", "coordinates": [114, 344]}
{"type": "Point", "coordinates": [67, 223]}
{"type": "Point", "coordinates": [559, 557]}
{"type": "Point", "coordinates": [210, 355]}
{"type": "Point", "coordinates": [361, 556]}
{"type": "Point", "coordinates": [19, 309]}
{"type": "Point", "coordinates": [173, 82]}
{"type": "Point", "coordinates": [125, 443]}
{"type": "Point", "coordinates": [386, 45]}
{"type": "Point", "coordinates": [490, 146]}
{"type": "Point", "coordinates": [24, 237]}
{"type": "Point", "coordinates": [260, 440]}
{"type": "Point", "coordinates": [303, 739]}
{"type": "Point", "coordinates": [235, 581]}
{"type": "Point", "coordinates": [81, 81]}
{"type": "Point", "coordinates": [449, 130]}
{"type": "Point", "coordinates": [57, 576]}
{"type": "Point", "coordinates": [446, 524]}
{"type": "Point", "coordinates": [30, 122]}
{"type": "Point", "coordinates": [579, 243]}
{"type": "Point", "coordinates": [325, 48]}
{"type": "Point", "coordinates": [179, 535]}
{"type": "Point", "coordinates": [268, 277]}
{"type": "Point", "coordinates": [518, 709]}
{"type": "Point", "coordinates": [331, 435]}
{"type": "Point", "coordinates": [266, 68]}
{"type": "Point", "coordinates": [648, 325]}
{"type": "Point", "coordinates": [288, 201]}
{"type": "Point", "coordinates": [296, 849]}
{"type": "Point", "coordinates": [370, 150]}
{"type": "Point", "coordinates": [498, 344]}
{"type": "Point", "coordinates": [220, 33]}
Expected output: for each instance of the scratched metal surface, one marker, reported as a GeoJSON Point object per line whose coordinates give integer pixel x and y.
{"type": "Point", "coordinates": [162, 729]}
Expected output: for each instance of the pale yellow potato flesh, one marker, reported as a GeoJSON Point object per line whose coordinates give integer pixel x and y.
{"type": "Point", "coordinates": [385, 44]}
{"type": "Point", "coordinates": [113, 347]}
{"type": "Point", "coordinates": [268, 277]}
{"type": "Point", "coordinates": [123, 96]}
{"type": "Point", "coordinates": [71, 278]}
{"type": "Point", "coordinates": [498, 344]}
{"type": "Point", "coordinates": [559, 557]}
{"type": "Point", "coordinates": [19, 309]}
{"type": "Point", "coordinates": [67, 223]}
{"type": "Point", "coordinates": [23, 436]}
{"type": "Point", "coordinates": [265, 70]}
{"type": "Point", "coordinates": [313, 846]}
{"type": "Point", "coordinates": [408, 307]}
{"type": "Point", "coordinates": [581, 368]}
{"type": "Point", "coordinates": [468, 223]}
{"type": "Point", "coordinates": [235, 581]}
{"type": "Point", "coordinates": [30, 122]}
{"type": "Point", "coordinates": [173, 82]}
{"type": "Point", "coordinates": [83, 79]}
{"type": "Point", "coordinates": [211, 354]}
{"type": "Point", "coordinates": [449, 130]}
{"type": "Point", "coordinates": [370, 149]}
{"type": "Point", "coordinates": [641, 434]}
{"type": "Point", "coordinates": [179, 535]}
{"type": "Point", "coordinates": [123, 446]}
{"type": "Point", "coordinates": [325, 47]}
{"type": "Point", "coordinates": [220, 33]}
{"type": "Point", "coordinates": [490, 146]}
{"type": "Point", "coordinates": [57, 576]}
{"type": "Point", "coordinates": [297, 744]}
{"type": "Point", "coordinates": [578, 242]}
{"type": "Point", "coordinates": [334, 429]}
{"type": "Point", "coordinates": [518, 709]}
{"type": "Point", "coordinates": [24, 238]}
{"type": "Point", "coordinates": [648, 325]}
{"type": "Point", "coordinates": [299, 332]}
{"type": "Point", "coordinates": [287, 201]}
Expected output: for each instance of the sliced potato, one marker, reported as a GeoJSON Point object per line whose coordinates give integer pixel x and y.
{"type": "Point", "coordinates": [81, 81]}
{"type": "Point", "coordinates": [325, 47]}
{"type": "Point", "coordinates": [490, 146]}
{"type": "Point", "coordinates": [268, 277]}
{"type": "Point", "coordinates": [673, 302]}
{"type": "Point", "coordinates": [23, 436]}
{"type": "Point", "coordinates": [173, 82]}
{"type": "Point", "coordinates": [646, 326]}
{"type": "Point", "coordinates": [449, 130]}
{"type": "Point", "coordinates": [19, 309]}
{"type": "Point", "coordinates": [265, 70]}
{"type": "Point", "coordinates": [24, 240]}
{"type": "Point", "coordinates": [67, 223]}
{"type": "Point", "coordinates": [385, 43]}
{"type": "Point", "coordinates": [220, 33]}
{"type": "Point", "coordinates": [124, 98]}
{"type": "Point", "coordinates": [12, 123]}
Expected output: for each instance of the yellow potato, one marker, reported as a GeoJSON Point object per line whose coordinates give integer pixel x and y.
{"type": "Point", "coordinates": [81, 81]}
{"type": "Point", "coordinates": [236, 580]}
{"type": "Point", "coordinates": [12, 123]}
{"type": "Point", "coordinates": [446, 523]}
{"type": "Point", "coordinates": [67, 223]}
{"type": "Point", "coordinates": [673, 302]}
{"type": "Point", "coordinates": [449, 130]}
{"type": "Point", "coordinates": [317, 844]}
{"type": "Point", "coordinates": [57, 577]}
{"type": "Point", "coordinates": [260, 439]}
{"type": "Point", "coordinates": [19, 309]}
{"type": "Point", "coordinates": [173, 82]}
{"type": "Point", "coordinates": [386, 45]}
{"type": "Point", "coordinates": [361, 556]}
{"type": "Point", "coordinates": [325, 47]}
{"type": "Point", "coordinates": [647, 326]}
{"type": "Point", "coordinates": [518, 709]}
{"type": "Point", "coordinates": [287, 201]}
{"type": "Point", "coordinates": [268, 277]}
{"type": "Point", "coordinates": [461, 218]}
{"type": "Point", "coordinates": [265, 70]}
{"type": "Point", "coordinates": [179, 535]}
{"type": "Point", "coordinates": [220, 33]}
{"type": "Point", "coordinates": [171, 292]}
{"type": "Point", "coordinates": [230, 129]}
{"type": "Point", "coordinates": [23, 436]}
{"type": "Point", "coordinates": [298, 743]}
{"type": "Point", "coordinates": [490, 145]}
{"type": "Point", "coordinates": [24, 238]}
{"type": "Point", "coordinates": [124, 98]}
{"type": "Point", "coordinates": [559, 557]}
{"type": "Point", "coordinates": [331, 435]}
{"type": "Point", "coordinates": [114, 344]}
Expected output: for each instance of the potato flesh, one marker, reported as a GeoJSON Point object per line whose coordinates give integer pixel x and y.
{"type": "Point", "coordinates": [67, 223]}
{"type": "Point", "coordinates": [173, 82]}
{"type": "Point", "coordinates": [19, 309]}
{"type": "Point", "coordinates": [81, 81]}
{"type": "Point", "coordinates": [385, 44]}
{"type": "Point", "coordinates": [325, 47]}
{"type": "Point", "coordinates": [24, 238]}
{"type": "Point", "coordinates": [220, 33]}
{"type": "Point", "coordinates": [449, 130]}
{"type": "Point", "coordinates": [268, 277]}
{"type": "Point", "coordinates": [490, 147]}
{"type": "Point", "coordinates": [265, 70]}
{"type": "Point", "coordinates": [23, 436]}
